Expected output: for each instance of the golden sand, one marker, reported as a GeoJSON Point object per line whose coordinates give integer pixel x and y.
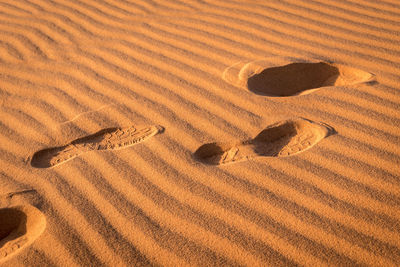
{"type": "Point", "coordinates": [199, 132]}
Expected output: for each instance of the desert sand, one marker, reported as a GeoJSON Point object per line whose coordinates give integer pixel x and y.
{"type": "Point", "coordinates": [199, 132]}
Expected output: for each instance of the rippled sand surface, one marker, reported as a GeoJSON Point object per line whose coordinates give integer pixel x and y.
{"type": "Point", "coordinates": [199, 132]}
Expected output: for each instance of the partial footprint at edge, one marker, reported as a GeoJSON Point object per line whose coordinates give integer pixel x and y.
{"type": "Point", "coordinates": [286, 77]}
{"type": "Point", "coordinates": [106, 139]}
{"type": "Point", "coordinates": [282, 139]}
{"type": "Point", "coordinates": [20, 226]}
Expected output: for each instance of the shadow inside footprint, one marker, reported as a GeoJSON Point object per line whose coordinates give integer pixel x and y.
{"type": "Point", "coordinates": [12, 223]}
{"type": "Point", "coordinates": [19, 227]}
{"type": "Point", "coordinates": [281, 139]}
{"type": "Point", "coordinates": [292, 78]}
{"type": "Point", "coordinates": [106, 139]}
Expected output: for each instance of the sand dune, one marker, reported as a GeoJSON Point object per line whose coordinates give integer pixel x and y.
{"type": "Point", "coordinates": [303, 96]}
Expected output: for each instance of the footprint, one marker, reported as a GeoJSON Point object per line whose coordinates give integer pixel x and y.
{"type": "Point", "coordinates": [288, 78]}
{"type": "Point", "coordinates": [106, 139]}
{"type": "Point", "coordinates": [19, 227]}
{"type": "Point", "coordinates": [282, 139]}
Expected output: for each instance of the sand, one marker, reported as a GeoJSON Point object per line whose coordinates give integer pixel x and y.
{"type": "Point", "coordinates": [199, 133]}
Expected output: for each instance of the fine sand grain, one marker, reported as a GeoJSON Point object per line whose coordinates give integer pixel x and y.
{"type": "Point", "coordinates": [199, 133]}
